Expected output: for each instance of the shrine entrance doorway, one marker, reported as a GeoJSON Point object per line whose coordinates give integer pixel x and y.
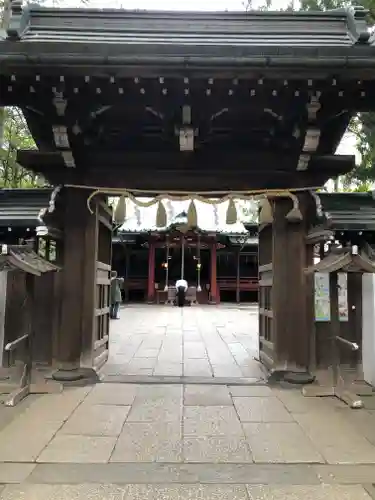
{"type": "Point", "coordinates": [221, 106]}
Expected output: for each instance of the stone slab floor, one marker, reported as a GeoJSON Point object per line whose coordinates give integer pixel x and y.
{"type": "Point", "coordinates": [118, 441]}
{"type": "Point", "coordinates": [197, 341]}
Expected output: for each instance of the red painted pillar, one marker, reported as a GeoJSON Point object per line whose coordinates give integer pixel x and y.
{"type": "Point", "coordinates": [151, 273]}
{"type": "Point", "coordinates": [214, 293]}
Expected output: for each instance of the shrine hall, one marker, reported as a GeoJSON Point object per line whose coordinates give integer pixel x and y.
{"type": "Point", "coordinates": [218, 260]}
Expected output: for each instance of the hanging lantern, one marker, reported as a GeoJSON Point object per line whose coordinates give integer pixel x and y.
{"type": "Point", "coordinates": [192, 217]}
{"type": "Point", "coordinates": [295, 214]}
{"type": "Point", "coordinates": [119, 215]}
{"type": "Point", "coordinates": [231, 212]}
{"type": "Point", "coordinates": [161, 215]}
{"type": "Point", "coordinates": [265, 214]}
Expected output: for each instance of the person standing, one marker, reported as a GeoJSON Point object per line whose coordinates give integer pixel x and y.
{"type": "Point", "coordinates": [115, 296]}
{"type": "Point", "coordinates": [181, 287]}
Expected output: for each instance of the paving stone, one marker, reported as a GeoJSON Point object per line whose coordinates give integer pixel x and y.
{"type": "Point", "coordinates": [337, 441]}
{"type": "Point", "coordinates": [144, 442]}
{"type": "Point", "coordinates": [143, 372]}
{"type": "Point", "coordinates": [78, 449]}
{"type": "Point", "coordinates": [23, 440]}
{"type": "Point", "coordinates": [161, 409]}
{"type": "Point", "coordinates": [295, 402]}
{"type": "Point", "coordinates": [142, 363]}
{"type": "Point", "coordinates": [346, 474]}
{"type": "Point", "coordinates": [252, 370]}
{"type": "Point", "coordinates": [174, 368]}
{"type": "Point", "coordinates": [96, 420]}
{"type": "Point", "coordinates": [257, 409]}
{"type": "Point", "coordinates": [280, 442]}
{"type": "Point", "coordinates": [194, 350]}
{"type": "Point", "coordinates": [15, 472]}
{"type": "Point", "coordinates": [370, 488]}
{"type": "Point", "coordinates": [323, 492]}
{"type": "Point", "coordinates": [207, 395]}
{"type": "Point", "coordinates": [250, 391]}
{"type": "Point", "coordinates": [112, 394]}
{"type": "Point", "coordinates": [156, 391]}
{"type": "Point", "coordinates": [186, 492]}
{"type": "Point", "coordinates": [197, 368]}
{"type": "Point", "coordinates": [363, 421]}
{"type": "Point", "coordinates": [216, 449]}
{"type": "Point", "coordinates": [187, 473]}
{"type": "Point", "coordinates": [230, 370]}
{"type": "Point", "coordinates": [211, 421]}
{"type": "Point", "coordinates": [64, 492]}
{"type": "Point", "coordinates": [147, 353]}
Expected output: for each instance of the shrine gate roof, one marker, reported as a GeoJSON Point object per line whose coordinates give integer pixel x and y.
{"type": "Point", "coordinates": [222, 34]}
{"type": "Point", "coordinates": [199, 101]}
{"type": "Point", "coordinates": [21, 207]}
{"type": "Point", "coordinates": [349, 211]}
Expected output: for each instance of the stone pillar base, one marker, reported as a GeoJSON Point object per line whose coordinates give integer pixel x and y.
{"type": "Point", "coordinates": [74, 375]}
{"type": "Point", "coordinates": [302, 377]}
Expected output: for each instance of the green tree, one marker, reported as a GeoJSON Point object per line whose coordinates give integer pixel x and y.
{"type": "Point", "coordinates": [16, 136]}
{"type": "Point", "coordinates": [363, 125]}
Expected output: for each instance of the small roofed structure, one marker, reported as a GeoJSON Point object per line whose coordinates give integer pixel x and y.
{"type": "Point", "coordinates": [345, 260]}
{"type": "Point", "coordinates": [23, 258]}
{"type": "Point", "coordinates": [338, 261]}
{"type": "Point", "coordinates": [18, 328]}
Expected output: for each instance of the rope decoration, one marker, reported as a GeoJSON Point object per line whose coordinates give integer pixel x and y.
{"type": "Point", "coordinates": [208, 197]}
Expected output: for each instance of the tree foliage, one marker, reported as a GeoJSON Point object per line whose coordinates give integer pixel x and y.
{"type": "Point", "coordinates": [363, 125]}
{"type": "Point", "coordinates": [16, 136]}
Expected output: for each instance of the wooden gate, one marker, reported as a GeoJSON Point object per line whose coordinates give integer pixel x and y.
{"type": "Point", "coordinates": [96, 297]}
{"type": "Point", "coordinates": [266, 341]}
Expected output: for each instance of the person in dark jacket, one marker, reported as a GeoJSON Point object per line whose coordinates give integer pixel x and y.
{"type": "Point", "coordinates": [115, 296]}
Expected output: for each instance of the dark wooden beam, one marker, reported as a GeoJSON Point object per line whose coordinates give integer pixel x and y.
{"type": "Point", "coordinates": [120, 162]}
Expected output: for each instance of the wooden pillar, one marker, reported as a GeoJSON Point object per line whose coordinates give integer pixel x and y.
{"type": "Point", "coordinates": [151, 273]}
{"type": "Point", "coordinates": [291, 332]}
{"type": "Point", "coordinates": [238, 277]}
{"type": "Point", "coordinates": [126, 280]}
{"type": "Point", "coordinates": [77, 285]}
{"type": "Point", "coordinates": [213, 285]}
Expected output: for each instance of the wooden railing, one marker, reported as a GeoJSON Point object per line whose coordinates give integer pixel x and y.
{"type": "Point", "coordinates": [135, 284]}
{"type": "Point", "coordinates": [247, 284]}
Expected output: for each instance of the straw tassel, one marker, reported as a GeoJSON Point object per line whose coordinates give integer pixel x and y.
{"type": "Point", "coordinates": [294, 215]}
{"type": "Point", "coordinates": [192, 217]}
{"type": "Point", "coordinates": [265, 214]}
{"type": "Point", "coordinates": [161, 215]}
{"type": "Point", "coordinates": [120, 212]}
{"type": "Point", "coordinates": [231, 212]}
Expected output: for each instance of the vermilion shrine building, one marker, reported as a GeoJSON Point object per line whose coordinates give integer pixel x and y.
{"type": "Point", "coordinates": [157, 103]}
{"type": "Point", "coordinates": [218, 260]}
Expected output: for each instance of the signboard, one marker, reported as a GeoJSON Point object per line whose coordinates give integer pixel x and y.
{"type": "Point", "coordinates": [342, 291]}
{"type": "Point", "coordinates": [322, 301]}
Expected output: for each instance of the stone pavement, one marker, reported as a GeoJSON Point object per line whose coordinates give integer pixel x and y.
{"type": "Point", "coordinates": [192, 442]}
{"type": "Point", "coordinates": [197, 341]}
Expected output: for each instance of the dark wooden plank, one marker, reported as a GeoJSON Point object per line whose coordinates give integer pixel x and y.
{"type": "Point", "coordinates": [103, 266]}
{"type": "Point", "coordinates": [88, 307]}
{"type": "Point", "coordinates": [266, 312]}
{"type": "Point", "coordinates": [69, 351]}
{"type": "Point", "coordinates": [101, 311]}
{"type": "Point", "coordinates": [105, 222]}
{"type": "Point", "coordinates": [265, 268]}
